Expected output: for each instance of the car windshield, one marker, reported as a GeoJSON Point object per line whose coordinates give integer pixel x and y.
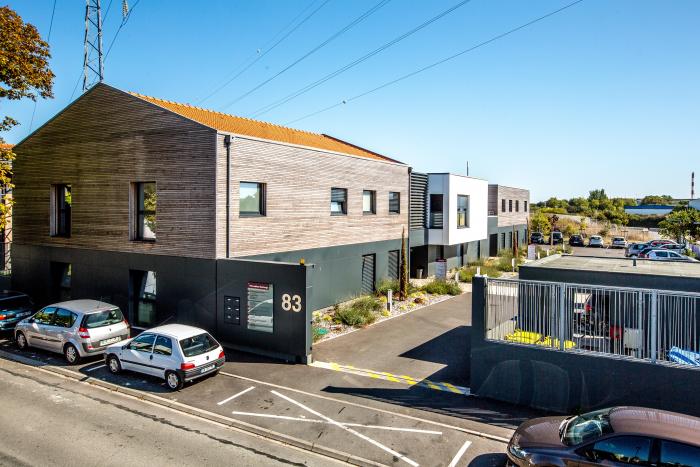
{"type": "Point", "coordinates": [103, 318]}
{"type": "Point", "coordinates": [586, 427]}
{"type": "Point", "coordinates": [197, 345]}
{"type": "Point", "coordinates": [15, 303]}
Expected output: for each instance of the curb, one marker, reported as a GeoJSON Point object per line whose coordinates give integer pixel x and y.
{"type": "Point", "coordinates": [201, 413]}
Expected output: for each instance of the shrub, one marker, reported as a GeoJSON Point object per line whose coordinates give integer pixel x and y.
{"type": "Point", "coordinates": [384, 285]}
{"type": "Point", "coordinates": [503, 263]}
{"type": "Point", "coordinates": [361, 312]}
{"type": "Point", "coordinates": [440, 287]}
{"type": "Point", "coordinates": [318, 333]}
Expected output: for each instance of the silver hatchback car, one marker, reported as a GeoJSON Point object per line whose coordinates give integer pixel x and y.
{"type": "Point", "coordinates": [77, 328]}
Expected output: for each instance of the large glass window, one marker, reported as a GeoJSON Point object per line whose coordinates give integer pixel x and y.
{"type": "Point", "coordinates": [252, 199]}
{"type": "Point", "coordinates": [61, 200]}
{"type": "Point", "coordinates": [369, 202]}
{"type": "Point", "coordinates": [197, 345]}
{"type": "Point", "coordinates": [678, 455]}
{"type": "Point", "coordinates": [64, 318]}
{"type": "Point", "coordinates": [339, 201]}
{"type": "Point", "coordinates": [103, 318]}
{"type": "Point", "coordinates": [394, 202]}
{"type": "Point", "coordinates": [627, 449]}
{"type": "Point", "coordinates": [462, 211]}
{"type": "Point", "coordinates": [146, 201]}
{"type": "Point", "coordinates": [260, 306]}
{"type": "Point", "coordinates": [435, 211]}
{"type": "Point", "coordinates": [144, 298]}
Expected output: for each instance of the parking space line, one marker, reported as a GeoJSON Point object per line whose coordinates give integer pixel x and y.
{"type": "Point", "coordinates": [235, 395]}
{"type": "Point", "coordinates": [349, 430]}
{"type": "Point", "coordinates": [96, 367]}
{"type": "Point", "coordinates": [403, 379]}
{"type": "Point", "coordinates": [358, 425]}
{"type": "Point", "coordinates": [460, 453]}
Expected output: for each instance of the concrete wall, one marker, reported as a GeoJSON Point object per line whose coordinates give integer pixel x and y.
{"type": "Point", "coordinates": [569, 382]}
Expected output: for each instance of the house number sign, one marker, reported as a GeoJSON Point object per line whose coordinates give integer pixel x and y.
{"type": "Point", "coordinates": [291, 303]}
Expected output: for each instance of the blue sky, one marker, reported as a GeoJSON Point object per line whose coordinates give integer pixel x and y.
{"type": "Point", "coordinates": [604, 94]}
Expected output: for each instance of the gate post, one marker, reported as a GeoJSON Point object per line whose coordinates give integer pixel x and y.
{"type": "Point", "coordinates": [562, 316]}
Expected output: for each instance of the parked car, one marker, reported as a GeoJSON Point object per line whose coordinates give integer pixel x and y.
{"type": "Point", "coordinates": [610, 437]}
{"type": "Point", "coordinates": [618, 242]}
{"type": "Point", "coordinates": [174, 352]}
{"type": "Point", "coordinates": [633, 250]}
{"type": "Point", "coordinates": [537, 237]}
{"type": "Point", "coordinates": [77, 329]}
{"type": "Point", "coordinates": [660, 242]}
{"type": "Point", "coordinates": [556, 237]}
{"type": "Point", "coordinates": [14, 307]}
{"type": "Point", "coordinates": [576, 240]}
{"type": "Point", "coordinates": [677, 247]}
{"type": "Point", "coordinates": [665, 255]}
{"type": "Point", "coordinates": [596, 241]}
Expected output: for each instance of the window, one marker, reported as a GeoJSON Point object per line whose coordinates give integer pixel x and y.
{"type": "Point", "coordinates": [197, 345]}
{"type": "Point", "coordinates": [678, 455]}
{"type": "Point", "coordinates": [435, 212]}
{"type": "Point", "coordinates": [517, 205]}
{"type": "Point", "coordinates": [45, 316]}
{"type": "Point", "coordinates": [510, 205]}
{"type": "Point", "coordinates": [394, 202]}
{"type": "Point", "coordinates": [462, 211]}
{"type": "Point", "coordinates": [260, 306]}
{"type": "Point", "coordinates": [143, 343]}
{"type": "Point", "coordinates": [64, 318]}
{"type": "Point", "coordinates": [339, 201]}
{"type": "Point", "coordinates": [143, 312]}
{"type": "Point", "coordinates": [369, 202]}
{"type": "Point", "coordinates": [252, 199]}
{"type": "Point", "coordinates": [61, 276]}
{"type": "Point", "coordinates": [503, 240]}
{"type": "Point", "coordinates": [61, 201]}
{"type": "Point", "coordinates": [525, 206]}
{"type": "Point", "coordinates": [503, 205]}
{"type": "Point", "coordinates": [164, 346]}
{"type": "Point", "coordinates": [146, 199]}
{"type": "Point", "coordinates": [627, 449]}
{"type": "Point", "coordinates": [103, 318]}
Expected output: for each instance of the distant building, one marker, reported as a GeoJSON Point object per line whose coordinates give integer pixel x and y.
{"type": "Point", "coordinates": [649, 209]}
{"type": "Point", "coordinates": [694, 203]}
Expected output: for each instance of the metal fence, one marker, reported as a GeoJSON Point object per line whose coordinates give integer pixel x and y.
{"type": "Point", "coordinates": [652, 325]}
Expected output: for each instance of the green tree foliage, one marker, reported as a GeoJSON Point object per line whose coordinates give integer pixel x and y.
{"type": "Point", "coordinates": [24, 72]}
{"type": "Point", "coordinates": [656, 199]}
{"type": "Point", "coordinates": [682, 223]}
{"type": "Point", "coordinates": [539, 222]}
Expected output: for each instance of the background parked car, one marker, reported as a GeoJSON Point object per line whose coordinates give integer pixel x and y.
{"type": "Point", "coordinates": [14, 307]}
{"type": "Point", "coordinates": [664, 255]}
{"type": "Point", "coordinates": [537, 237]}
{"type": "Point", "coordinates": [633, 250]}
{"type": "Point", "coordinates": [576, 240]}
{"type": "Point", "coordinates": [76, 328]}
{"type": "Point", "coordinates": [556, 237]}
{"type": "Point", "coordinates": [596, 241]}
{"type": "Point", "coordinates": [618, 242]}
{"type": "Point", "coordinates": [608, 437]}
{"type": "Point", "coordinates": [174, 352]}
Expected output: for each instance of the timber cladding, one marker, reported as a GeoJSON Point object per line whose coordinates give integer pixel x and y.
{"type": "Point", "coordinates": [298, 191]}
{"type": "Point", "coordinates": [100, 145]}
{"type": "Point", "coordinates": [515, 213]}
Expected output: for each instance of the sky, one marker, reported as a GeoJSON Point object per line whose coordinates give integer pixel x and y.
{"type": "Point", "coordinates": [604, 94]}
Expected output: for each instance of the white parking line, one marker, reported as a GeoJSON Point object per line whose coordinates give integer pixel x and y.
{"type": "Point", "coordinates": [349, 430]}
{"type": "Point", "coordinates": [236, 395]}
{"type": "Point", "coordinates": [95, 367]}
{"type": "Point", "coordinates": [460, 453]}
{"type": "Point", "coordinates": [359, 425]}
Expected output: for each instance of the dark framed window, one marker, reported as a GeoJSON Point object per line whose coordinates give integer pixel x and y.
{"type": "Point", "coordinates": [339, 201]}
{"type": "Point", "coordinates": [61, 203]}
{"type": "Point", "coordinates": [394, 202]}
{"type": "Point", "coordinates": [436, 217]}
{"type": "Point", "coordinates": [252, 199]}
{"type": "Point", "coordinates": [462, 211]}
{"type": "Point", "coordinates": [674, 454]}
{"type": "Point", "coordinates": [144, 294]}
{"type": "Point", "coordinates": [624, 449]}
{"type": "Point", "coordinates": [503, 205]}
{"type": "Point", "coordinates": [525, 206]}
{"type": "Point", "coordinates": [517, 206]}
{"type": "Point", "coordinates": [64, 318]}
{"type": "Point", "coordinates": [146, 200]}
{"type": "Point", "coordinates": [369, 202]}
{"type": "Point", "coordinates": [510, 205]}
{"type": "Point", "coordinates": [45, 316]}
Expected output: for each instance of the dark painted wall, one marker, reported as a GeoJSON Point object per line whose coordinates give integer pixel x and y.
{"type": "Point", "coordinates": [337, 270]}
{"type": "Point", "coordinates": [426, 256]}
{"type": "Point", "coordinates": [568, 382]}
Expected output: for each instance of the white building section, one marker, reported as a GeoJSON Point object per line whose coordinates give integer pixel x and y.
{"type": "Point", "coordinates": [457, 209]}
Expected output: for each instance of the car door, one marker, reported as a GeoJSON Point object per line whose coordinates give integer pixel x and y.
{"type": "Point", "coordinates": [617, 451]}
{"type": "Point", "coordinates": [57, 333]}
{"type": "Point", "coordinates": [36, 332]}
{"type": "Point", "coordinates": [138, 354]}
{"type": "Point", "coordinates": [162, 358]}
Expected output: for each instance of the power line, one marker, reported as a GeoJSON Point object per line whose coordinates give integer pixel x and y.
{"type": "Point", "coordinates": [260, 56]}
{"type": "Point", "coordinates": [349, 26]}
{"type": "Point", "coordinates": [439, 62]}
{"type": "Point", "coordinates": [125, 19]}
{"type": "Point", "coordinates": [352, 64]}
{"type": "Point", "coordinates": [48, 41]}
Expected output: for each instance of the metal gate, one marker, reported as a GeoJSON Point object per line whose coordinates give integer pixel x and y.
{"type": "Point", "coordinates": [368, 274]}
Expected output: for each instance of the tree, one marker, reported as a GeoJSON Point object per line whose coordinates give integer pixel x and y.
{"type": "Point", "coordinates": [656, 199]}
{"type": "Point", "coordinates": [540, 223]}
{"type": "Point", "coordinates": [403, 269]}
{"type": "Point", "coordinates": [24, 72]}
{"type": "Point", "coordinates": [597, 195]}
{"type": "Point", "coordinates": [680, 223]}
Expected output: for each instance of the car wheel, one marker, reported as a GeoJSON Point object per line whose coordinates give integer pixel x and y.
{"type": "Point", "coordinates": [21, 341]}
{"type": "Point", "coordinates": [173, 380]}
{"type": "Point", "coordinates": [71, 354]}
{"type": "Point", "coordinates": [113, 365]}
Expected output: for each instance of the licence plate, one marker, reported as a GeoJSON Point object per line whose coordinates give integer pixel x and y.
{"type": "Point", "coordinates": [110, 341]}
{"type": "Point", "coordinates": [207, 368]}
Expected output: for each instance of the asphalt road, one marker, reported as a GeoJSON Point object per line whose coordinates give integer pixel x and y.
{"type": "Point", "coordinates": [50, 420]}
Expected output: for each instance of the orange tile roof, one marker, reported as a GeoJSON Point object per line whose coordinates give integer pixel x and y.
{"type": "Point", "coordinates": [6, 146]}
{"type": "Point", "coordinates": [257, 129]}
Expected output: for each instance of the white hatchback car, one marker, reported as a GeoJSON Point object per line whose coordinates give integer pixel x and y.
{"type": "Point", "coordinates": [174, 352]}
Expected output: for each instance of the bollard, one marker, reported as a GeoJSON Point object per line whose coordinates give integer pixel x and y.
{"type": "Point", "coordinates": [389, 301]}
{"type": "Point", "coordinates": [478, 270]}
{"type": "Point", "coordinates": [512, 263]}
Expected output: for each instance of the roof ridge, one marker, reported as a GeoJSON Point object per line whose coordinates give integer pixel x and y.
{"type": "Point", "coordinates": [224, 114]}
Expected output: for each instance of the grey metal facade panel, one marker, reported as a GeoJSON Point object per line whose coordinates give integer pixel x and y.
{"type": "Point", "coordinates": [102, 143]}
{"type": "Point", "coordinates": [514, 212]}
{"type": "Point", "coordinates": [418, 201]}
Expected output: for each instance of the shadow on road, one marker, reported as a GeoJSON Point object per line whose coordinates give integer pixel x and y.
{"type": "Point", "coordinates": [489, 460]}
{"type": "Point", "coordinates": [451, 349]}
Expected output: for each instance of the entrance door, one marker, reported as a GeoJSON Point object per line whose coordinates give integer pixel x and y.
{"type": "Point", "coordinates": [493, 245]}
{"type": "Point", "coordinates": [368, 276]}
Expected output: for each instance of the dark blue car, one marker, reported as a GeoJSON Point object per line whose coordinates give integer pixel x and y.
{"type": "Point", "coordinates": [14, 307]}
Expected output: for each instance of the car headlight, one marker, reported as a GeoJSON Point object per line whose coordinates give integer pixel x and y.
{"type": "Point", "coordinates": [517, 451]}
